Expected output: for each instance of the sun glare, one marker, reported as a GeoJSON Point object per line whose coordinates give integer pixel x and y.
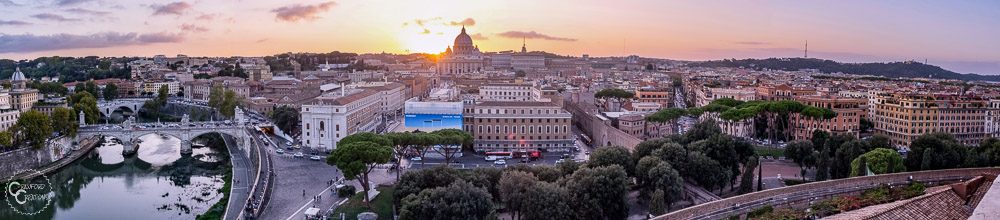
{"type": "Point", "coordinates": [424, 43]}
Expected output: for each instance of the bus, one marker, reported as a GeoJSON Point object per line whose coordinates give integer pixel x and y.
{"type": "Point", "coordinates": [496, 155]}
{"type": "Point", "coordinates": [529, 154]}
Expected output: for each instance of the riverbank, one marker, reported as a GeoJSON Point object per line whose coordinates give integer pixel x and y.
{"type": "Point", "coordinates": [88, 143]}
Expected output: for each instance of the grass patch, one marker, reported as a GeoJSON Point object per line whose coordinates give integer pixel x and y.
{"type": "Point", "coordinates": [219, 209]}
{"type": "Point", "coordinates": [768, 151]}
{"type": "Point", "coordinates": [382, 205]}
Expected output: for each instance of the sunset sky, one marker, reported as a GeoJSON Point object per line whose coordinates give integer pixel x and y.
{"type": "Point", "coordinates": [963, 36]}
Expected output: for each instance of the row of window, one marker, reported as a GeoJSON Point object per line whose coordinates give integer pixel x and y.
{"type": "Point", "coordinates": [530, 129]}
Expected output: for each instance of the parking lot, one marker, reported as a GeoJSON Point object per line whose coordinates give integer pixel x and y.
{"type": "Point", "coordinates": [471, 160]}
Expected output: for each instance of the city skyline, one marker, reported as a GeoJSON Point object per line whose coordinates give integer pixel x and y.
{"type": "Point", "coordinates": [849, 31]}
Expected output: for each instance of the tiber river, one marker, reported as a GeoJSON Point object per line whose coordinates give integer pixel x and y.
{"type": "Point", "coordinates": [158, 182]}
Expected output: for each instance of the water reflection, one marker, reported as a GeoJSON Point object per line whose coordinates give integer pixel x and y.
{"type": "Point", "coordinates": [157, 183]}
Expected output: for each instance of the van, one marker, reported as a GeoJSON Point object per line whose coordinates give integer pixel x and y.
{"type": "Point", "coordinates": [491, 158]}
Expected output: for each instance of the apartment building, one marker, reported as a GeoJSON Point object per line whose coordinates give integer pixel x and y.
{"type": "Point", "coordinates": [848, 120]}
{"type": "Point", "coordinates": [904, 117]}
{"type": "Point", "coordinates": [518, 126]}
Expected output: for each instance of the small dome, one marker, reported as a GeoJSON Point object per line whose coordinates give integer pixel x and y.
{"type": "Point", "coordinates": [18, 75]}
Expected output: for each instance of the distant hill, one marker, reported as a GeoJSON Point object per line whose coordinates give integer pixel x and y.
{"type": "Point", "coordinates": [892, 70]}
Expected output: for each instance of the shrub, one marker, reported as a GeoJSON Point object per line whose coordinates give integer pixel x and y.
{"type": "Point", "coordinates": [346, 191]}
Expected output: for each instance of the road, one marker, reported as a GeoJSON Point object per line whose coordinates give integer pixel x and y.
{"type": "Point", "coordinates": [297, 182]}
{"type": "Point", "coordinates": [243, 174]}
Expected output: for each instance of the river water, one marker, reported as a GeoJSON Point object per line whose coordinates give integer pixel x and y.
{"type": "Point", "coordinates": [158, 182]}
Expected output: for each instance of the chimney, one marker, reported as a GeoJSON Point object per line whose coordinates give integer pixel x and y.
{"type": "Point", "coordinates": [343, 91]}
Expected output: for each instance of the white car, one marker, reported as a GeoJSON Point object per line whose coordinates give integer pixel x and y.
{"type": "Point", "coordinates": [299, 154]}
{"type": "Point", "coordinates": [491, 158]}
{"type": "Point", "coordinates": [416, 159]}
{"type": "Point", "coordinates": [316, 158]}
{"type": "Point", "coordinates": [500, 162]}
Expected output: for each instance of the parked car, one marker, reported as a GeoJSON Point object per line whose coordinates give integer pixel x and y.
{"type": "Point", "coordinates": [280, 151]}
{"type": "Point", "coordinates": [500, 162]}
{"type": "Point", "coordinates": [299, 155]}
{"type": "Point", "coordinates": [316, 158]}
{"type": "Point", "coordinates": [416, 159]}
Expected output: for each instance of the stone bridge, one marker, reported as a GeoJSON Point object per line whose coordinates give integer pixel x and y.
{"type": "Point", "coordinates": [134, 104]}
{"type": "Point", "coordinates": [185, 130]}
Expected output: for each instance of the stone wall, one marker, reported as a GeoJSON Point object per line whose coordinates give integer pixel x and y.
{"type": "Point", "coordinates": [599, 131]}
{"type": "Point", "coordinates": [18, 160]}
{"type": "Point", "coordinates": [804, 192]}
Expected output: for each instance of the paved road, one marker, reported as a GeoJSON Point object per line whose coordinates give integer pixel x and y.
{"type": "Point", "coordinates": [293, 176]}
{"type": "Point", "coordinates": [243, 174]}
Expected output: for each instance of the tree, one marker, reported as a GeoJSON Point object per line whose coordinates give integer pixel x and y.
{"type": "Point", "coordinates": [451, 141]}
{"type": "Point", "coordinates": [62, 121]}
{"type": "Point", "coordinates": [400, 143]}
{"type": "Point", "coordinates": [705, 171]}
{"type": "Point", "coordinates": [657, 204]}
{"type": "Point", "coordinates": [548, 201]}
{"type": "Point", "coordinates": [819, 138]}
{"type": "Point", "coordinates": [665, 115]}
{"type": "Point", "coordinates": [460, 200]}
{"type": "Point", "coordinates": [600, 193]}
{"type": "Point", "coordinates": [286, 118]}
{"type": "Point", "coordinates": [667, 180]}
{"type": "Point", "coordinates": [110, 92]}
{"type": "Point", "coordinates": [415, 181]}
{"type": "Point", "coordinates": [612, 155]}
{"type": "Point", "coordinates": [229, 104]}
{"type": "Point", "coordinates": [746, 181]}
{"type": "Point", "coordinates": [615, 95]}
{"type": "Point", "coordinates": [86, 102]}
{"type": "Point", "coordinates": [841, 167]}
{"type": "Point", "coordinates": [944, 150]}
{"type": "Point", "coordinates": [162, 94]}
{"type": "Point", "coordinates": [801, 152]}
{"type": "Point", "coordinates": [6, 139]}
{"type": "Point", "coordinates": [357, 159]}
{"type": "Point", "coordinates": [216, 96]}
{"type": "Point", "coordinates": [567, 167]}
{"type": "Point", "coordinates": [879, 161]}
{"type": "Point", "coordinates": [33, 128]}
{"type": "Point", "coordinates": [879, 141]}
{"type": "Point", "coordinates": [513, 188]}
{"type": "Point", "coordinates": [642, 169]}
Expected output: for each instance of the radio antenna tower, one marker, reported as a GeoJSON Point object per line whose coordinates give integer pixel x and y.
{"type": "Point", "coordinates": [807, 49]}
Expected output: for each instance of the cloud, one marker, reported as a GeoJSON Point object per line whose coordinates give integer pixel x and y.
{"type": "Point", "coordinates": [751, 43]}
{"type": "Point", "coordinates": [532, 35]}
{"type": "Point", "coordinates": [206, 17]}
{"type": "Point", "coordinates": [479, 36]}
{"type": "Point", "coordinates": [262, 40]}
{"type": "Point", "coordinates": [421, 22]}
{"type": "Point", "coordinates": [71, 2]}
{"type": "Point", "coordinates": [82, 11]}
{"type": "Point", "coordinates": [426, 31]}
{"type": "Point", "coordinates": [176, 8]}
{"type": "Point", "coordinates": [53, 17]}
{"type": "Point", "coordinates": [24, 43]}
{"type": "Point", "coordinates": [294, 13]}
{"type": "Point", "coordinates": [13, 23]}
{"type": "Point", "coordinates": [8, 3]}
{"type": "Point", "coordinates": [466, 22]}
{"type": "Point", "coordinates": [193, 28]}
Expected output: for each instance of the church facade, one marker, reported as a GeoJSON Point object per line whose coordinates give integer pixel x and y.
{"type": "Point", "coordinates": [462, 57]}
